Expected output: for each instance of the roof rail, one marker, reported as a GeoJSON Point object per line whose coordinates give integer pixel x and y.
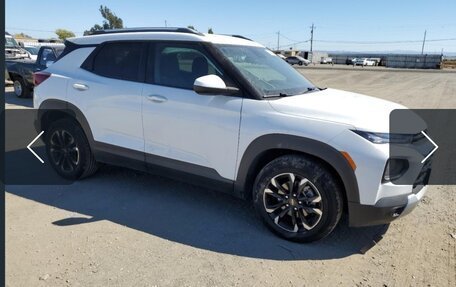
{"type": "Point", "coordinates": [146, 29]}
{"type": "Point", "coordinates": [239, 36]}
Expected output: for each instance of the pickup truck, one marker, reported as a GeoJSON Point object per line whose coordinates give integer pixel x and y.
{"type": "Point", "coordinates": [20, 71]}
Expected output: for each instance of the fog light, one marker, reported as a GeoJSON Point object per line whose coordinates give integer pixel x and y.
{"type": "Point", "coordinates": [395, 168]}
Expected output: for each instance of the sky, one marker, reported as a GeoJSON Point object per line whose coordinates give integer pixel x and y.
{"type": "Point", "coordinates": [347, 25]}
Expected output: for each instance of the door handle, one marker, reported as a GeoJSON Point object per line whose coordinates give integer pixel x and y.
{"type": "Point", "coordinates": [157, 98]}
{"type": "Point", "coordinates": [80, 87]}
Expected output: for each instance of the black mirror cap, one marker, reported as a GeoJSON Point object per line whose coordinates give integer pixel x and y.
{"type": "Point", "coordinates": [228, 91]}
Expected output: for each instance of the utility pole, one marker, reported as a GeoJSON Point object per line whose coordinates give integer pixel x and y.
{"type": "Point", "coordinates": [311, 36]}
{"type": "Point", "coordinates": [424, 41]}
{"type": "Point", "coordinates": [166, 23]}
{"type": "Point", "coordinates": [278, 40]}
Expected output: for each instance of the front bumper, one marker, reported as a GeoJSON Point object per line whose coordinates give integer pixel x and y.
{"type": "Point", "coordinates": [385, 210]}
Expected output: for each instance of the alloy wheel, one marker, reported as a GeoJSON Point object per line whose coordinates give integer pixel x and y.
{"type": "Point", "coordinates": [293, 202]}
{"type": "Point", "coordinates": [64, 151]}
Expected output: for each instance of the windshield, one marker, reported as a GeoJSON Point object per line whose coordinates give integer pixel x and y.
{"type": "Point", "coordinates": [265, 71]}
{"type": "Point", "coordinates": [32, 50]}
{"type": "Point", "coordinates": [10, 42]}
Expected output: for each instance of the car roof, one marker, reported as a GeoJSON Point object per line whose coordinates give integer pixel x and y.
{"type": "Point", "coordinates": [165, 34]}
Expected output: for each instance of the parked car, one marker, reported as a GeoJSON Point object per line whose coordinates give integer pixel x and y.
{"type": "Point", "coordinates": [12, 48]}
{"type": "Point", "coordinates": [32, 52]}
{"type": "Point", "coordinates": [20, 71]}
{"type": "Point", "coordinates": [350, 61]}
{"type": "Point", "coordinates": [227, 113]}
{"type": "Point", "coordinates": [293, 60]}
{"type": "Point", "coordinates": [282, 57]}
{"type": "Point", "coordinates": [326, 60]}
{"type": "Point", "coordinates": [364, 62]}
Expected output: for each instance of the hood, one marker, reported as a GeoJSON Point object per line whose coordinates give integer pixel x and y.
{"type": "Point", "coordinates": [359, 111]}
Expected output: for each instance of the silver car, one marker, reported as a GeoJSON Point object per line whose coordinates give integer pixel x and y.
{"type": "Point", "coordinates": [297, 60]}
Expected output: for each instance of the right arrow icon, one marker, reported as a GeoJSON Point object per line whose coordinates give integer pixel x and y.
{"type": "Point", "coordinates": [433, 150]}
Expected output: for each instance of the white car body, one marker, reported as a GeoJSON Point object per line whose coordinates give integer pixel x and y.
{"type": "Point", "coordinates": [32, 52]}
{"type": "Point", "coordinates": [216, 132]}
{"type": "Point", "coordinates": [364, 62]}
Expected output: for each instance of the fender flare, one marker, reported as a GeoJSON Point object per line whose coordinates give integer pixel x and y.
{"type": "Point", "coordinates": [327, 153]}
{"type": "Point", "coordinates": [69, 109]}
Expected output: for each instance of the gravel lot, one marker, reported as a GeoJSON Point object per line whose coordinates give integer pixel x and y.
{"type": "Point", "coordinates": [123, 228]}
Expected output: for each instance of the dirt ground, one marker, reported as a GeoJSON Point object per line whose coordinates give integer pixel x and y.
{"type": "Point", "coordinates": [124, 228]}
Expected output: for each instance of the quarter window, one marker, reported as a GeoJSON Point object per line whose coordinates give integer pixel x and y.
{"type": "Point", "coordinates": [119, 60]}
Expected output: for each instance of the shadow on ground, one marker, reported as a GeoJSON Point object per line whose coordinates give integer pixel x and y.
{"type": "Point", "coordinates": [188, 215]}
{"type": "Point", "coordinates": [12, 99]}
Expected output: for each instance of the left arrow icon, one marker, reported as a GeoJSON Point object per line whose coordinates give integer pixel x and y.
{"type": "Point", "coordinates": [31, 150]}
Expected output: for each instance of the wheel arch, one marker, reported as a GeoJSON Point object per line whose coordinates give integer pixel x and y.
{"type": "Point", "coordinates": [268, 147]}
{"type": "Point", "coordinates": [53, 109]}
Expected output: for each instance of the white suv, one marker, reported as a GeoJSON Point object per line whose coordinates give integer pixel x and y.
{"type": "Point", "coordinates": [229, 113]}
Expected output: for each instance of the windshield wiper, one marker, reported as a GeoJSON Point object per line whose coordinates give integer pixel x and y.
{"type": "Point", "coordinates": [279, 95]}
{"type": "Point", "coordinates": [311, 89]}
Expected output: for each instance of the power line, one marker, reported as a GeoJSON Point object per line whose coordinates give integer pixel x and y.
{"type": "Point", "coordinates": [384, 42]}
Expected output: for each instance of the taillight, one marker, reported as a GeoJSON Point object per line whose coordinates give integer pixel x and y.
{"type": "Point", "coordinates": [40, 77]}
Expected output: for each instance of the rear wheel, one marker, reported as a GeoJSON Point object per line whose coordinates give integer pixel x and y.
{"type": "Point", "coordinates": [68, 150]}
{"type": "Point", "coordinates": [298, 198]}
{"type": "Point", "coordinates": [21, 89]}
{"type": "Point", "coordinates": [300, 63]}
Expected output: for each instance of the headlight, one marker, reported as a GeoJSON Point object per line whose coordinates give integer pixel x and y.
{"type": "Point", "coordinates": [381, 138]}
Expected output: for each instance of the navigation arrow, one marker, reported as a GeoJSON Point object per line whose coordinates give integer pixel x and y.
{"type": "Point", "coordinates": [31, 143]}
{"type": "Point", "coordinates": [432, 151]}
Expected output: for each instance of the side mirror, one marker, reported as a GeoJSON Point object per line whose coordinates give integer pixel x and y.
{"type": "Point", "coordinates": [49, 63]}
{"type": "Point", "coordinates": [212, 85]}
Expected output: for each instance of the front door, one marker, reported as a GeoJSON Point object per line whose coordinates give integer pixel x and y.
{"type": "Point", "coordinates": [199, 134]}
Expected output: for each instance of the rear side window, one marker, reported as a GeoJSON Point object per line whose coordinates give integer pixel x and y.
{"type": "Point", "coordinates": [119, 60]}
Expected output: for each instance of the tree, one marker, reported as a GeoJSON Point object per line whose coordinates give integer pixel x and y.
{"type": "Point", "coordinates": [22, 36]}
{"type": "Point", "coordinates": [191, 27]}
{"type": "Point", "coordinates": [64, 34]}
{"type": "Point", "coordinates": [210, 31]}
{"type": "Point", "coordinates": [111, 21]}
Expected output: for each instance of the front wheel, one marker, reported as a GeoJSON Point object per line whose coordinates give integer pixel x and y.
{"type": "Point", "coordinates": [298, 198]}
{"type": "Point", "coordinates": [68, 150]}
{"type": "Point", "coordinates": [300, 63]}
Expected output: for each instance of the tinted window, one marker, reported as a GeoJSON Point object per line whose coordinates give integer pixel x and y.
{"type": "Point", "coordinates": [179, 65]}
{"type": "Point", "coordinates": [119, 61]}
{"type": "Point", "coordinates": [46, 56]}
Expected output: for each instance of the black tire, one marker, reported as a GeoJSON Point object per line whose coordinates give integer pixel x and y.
{"type": "Point", "coordinates": [68, 150]}
{"type": "Point", "coordinates": [320, 182]}
{"type": "Point", "coordinates": [21, 88]}
{"type": "Point", "coordinates": [300, 63]}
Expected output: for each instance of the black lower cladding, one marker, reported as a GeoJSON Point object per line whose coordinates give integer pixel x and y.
{"type": "Point", "coordinates": [175, 169]}
{"type": "Point", "coordinates": [384, 211]}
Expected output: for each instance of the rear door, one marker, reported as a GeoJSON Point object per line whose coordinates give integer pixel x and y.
{"type": "Point", "coordinates": [182, 129]}
{"type": "Point", "coordinates": [108, 90]}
